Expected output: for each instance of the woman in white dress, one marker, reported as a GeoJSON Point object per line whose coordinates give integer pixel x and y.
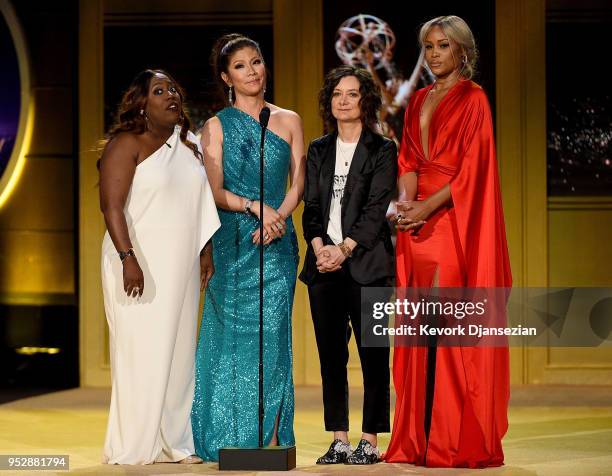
{"type": "Point", "coordinates": [156, 257]}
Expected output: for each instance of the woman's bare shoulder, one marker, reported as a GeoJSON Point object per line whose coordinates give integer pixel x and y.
{"type": "Point", "coordinates": [213, 124]}
{"type": "Point", "coordinates": [284, 114]}
{"type": "Point", "coordinates": [211, 130]}
{"type": "Point", "coordinates": [125, 142]}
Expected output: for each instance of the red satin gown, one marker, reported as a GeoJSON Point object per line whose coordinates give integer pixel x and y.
{"type": "Point", "coordinates": [466, 244]}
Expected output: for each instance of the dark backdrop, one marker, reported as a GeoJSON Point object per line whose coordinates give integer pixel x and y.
{"type": "Point", "coordinates": [405, 19]}
{"type": "Point", "coordinates": [184, 51]}
{"type": "Point", "coordinates": [579, 106]}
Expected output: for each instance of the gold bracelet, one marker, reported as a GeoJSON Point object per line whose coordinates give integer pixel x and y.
{"type": "Point", "coordinates": [346, 250]}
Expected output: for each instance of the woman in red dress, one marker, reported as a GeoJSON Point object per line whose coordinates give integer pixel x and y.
{"type": "Point", "coordinates": [452, 402]}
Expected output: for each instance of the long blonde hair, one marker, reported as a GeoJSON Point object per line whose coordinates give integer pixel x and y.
{"type": "Point", "coordinates": [457, 31]}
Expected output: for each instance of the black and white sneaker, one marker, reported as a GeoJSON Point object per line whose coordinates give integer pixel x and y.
{"type": "Point", "coordinates": [365, 453]}
{"type": "Point", "coordinates": [338, 453]}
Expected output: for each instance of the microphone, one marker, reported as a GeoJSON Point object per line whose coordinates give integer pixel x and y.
{"type": "Point", "coordinates": [264, 117]}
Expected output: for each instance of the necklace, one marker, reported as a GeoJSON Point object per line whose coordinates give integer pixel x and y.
{"type": "Point", "coordinates": [346, 157]}
{"type": "Point", "coordinates": [435, 89]}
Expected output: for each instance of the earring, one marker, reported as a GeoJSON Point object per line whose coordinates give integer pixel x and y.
{"type": "Point", "coordinates": [142, 112]}
{"type": "Point", "coordinates": [230, 96]}
{"type": "Point", "coordinates": [464, 59]}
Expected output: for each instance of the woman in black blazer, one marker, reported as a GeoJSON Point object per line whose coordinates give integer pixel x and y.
{"type": "Point", "coordinates": [351, 176]}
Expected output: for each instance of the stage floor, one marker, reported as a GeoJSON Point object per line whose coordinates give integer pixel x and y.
{"type": "Point", "coordinates": [553, 431]}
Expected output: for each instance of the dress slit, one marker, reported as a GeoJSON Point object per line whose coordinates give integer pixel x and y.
{"type": "Point", "coordinates": [431, 370]}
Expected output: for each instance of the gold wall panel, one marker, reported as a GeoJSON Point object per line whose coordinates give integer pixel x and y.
{"type": "Point", "coordinates": [36, 262]}
{"type": "Point", "coordinates": [53, 122]}
{"type": "Point", "coordinates": [44, 199]}
{"type": "Point", "coordinates": [580, 246]}
{"type": "Point", "coordinates": [580, 357]}
{"type": "Point", "coordinates": [50, 42]}
{"type": "Point", "coordinates": [298, 74]}
{"type": "Point", "coordinates": [521, 146]}
{"type": "Point", "coordinates": [92, 324]}
{"type": "Point", "coordinates": [580, 255]}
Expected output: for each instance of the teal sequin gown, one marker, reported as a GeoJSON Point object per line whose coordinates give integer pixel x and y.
{"type": "Point", "coordinates": [225, 406]}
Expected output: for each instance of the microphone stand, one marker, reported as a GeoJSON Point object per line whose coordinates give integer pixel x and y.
{"type": "Point", "coordinates": [276, 458]}
{"type": "Point", "coordinates": [263, 120]}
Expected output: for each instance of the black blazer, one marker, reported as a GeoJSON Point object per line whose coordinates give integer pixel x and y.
{"type": "Point", "coordinates": [370, 185]}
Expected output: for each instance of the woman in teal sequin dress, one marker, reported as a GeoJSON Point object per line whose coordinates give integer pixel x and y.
{"type": "Point", "coordinates": [225, 408]}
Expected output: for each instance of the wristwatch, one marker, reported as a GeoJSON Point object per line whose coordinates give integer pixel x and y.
{"type": "Point", "coordinates": [247, 205]}
{"type": "Point", "coordinates": [125, 254]}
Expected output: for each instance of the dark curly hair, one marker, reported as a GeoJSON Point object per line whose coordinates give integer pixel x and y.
{"type": "Point", "coordinates": [129, 118]}
{"type": "Point", "coordinates": [370, 102]}
{"type": "Point", "coordinates": [222, 51]}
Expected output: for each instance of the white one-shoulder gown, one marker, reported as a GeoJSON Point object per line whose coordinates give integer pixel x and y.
{"type": "Point", "coordinates": [171, 215]}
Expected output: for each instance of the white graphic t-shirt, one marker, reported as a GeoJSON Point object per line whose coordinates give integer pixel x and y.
{"type": "Point", "coordinates": [344, 157]}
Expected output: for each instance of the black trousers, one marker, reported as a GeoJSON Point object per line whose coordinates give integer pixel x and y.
{"type": "Point", "coordinates": [335, 302]}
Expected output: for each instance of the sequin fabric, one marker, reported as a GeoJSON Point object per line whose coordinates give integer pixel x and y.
{"type": "Point", "coordinates": [225, 407]}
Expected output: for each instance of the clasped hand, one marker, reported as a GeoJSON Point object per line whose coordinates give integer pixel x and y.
{"type": "Point", "coordinates": [409, 215]}
{"type": "Point", "coordinates": [329, 258]}
{"type": "Point", "coordinates": [273, 223]}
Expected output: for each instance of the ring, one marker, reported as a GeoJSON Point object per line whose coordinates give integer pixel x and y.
{"type": "Point", "coordinates": [136, 288]}
{"type": "Point", "coordinates": [266, 236]}
{"type": "Point", "coordinates": [278, 226]}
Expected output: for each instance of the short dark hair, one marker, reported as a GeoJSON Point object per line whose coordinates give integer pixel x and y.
{"type": "Point", "coordinates": [370, 102]}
